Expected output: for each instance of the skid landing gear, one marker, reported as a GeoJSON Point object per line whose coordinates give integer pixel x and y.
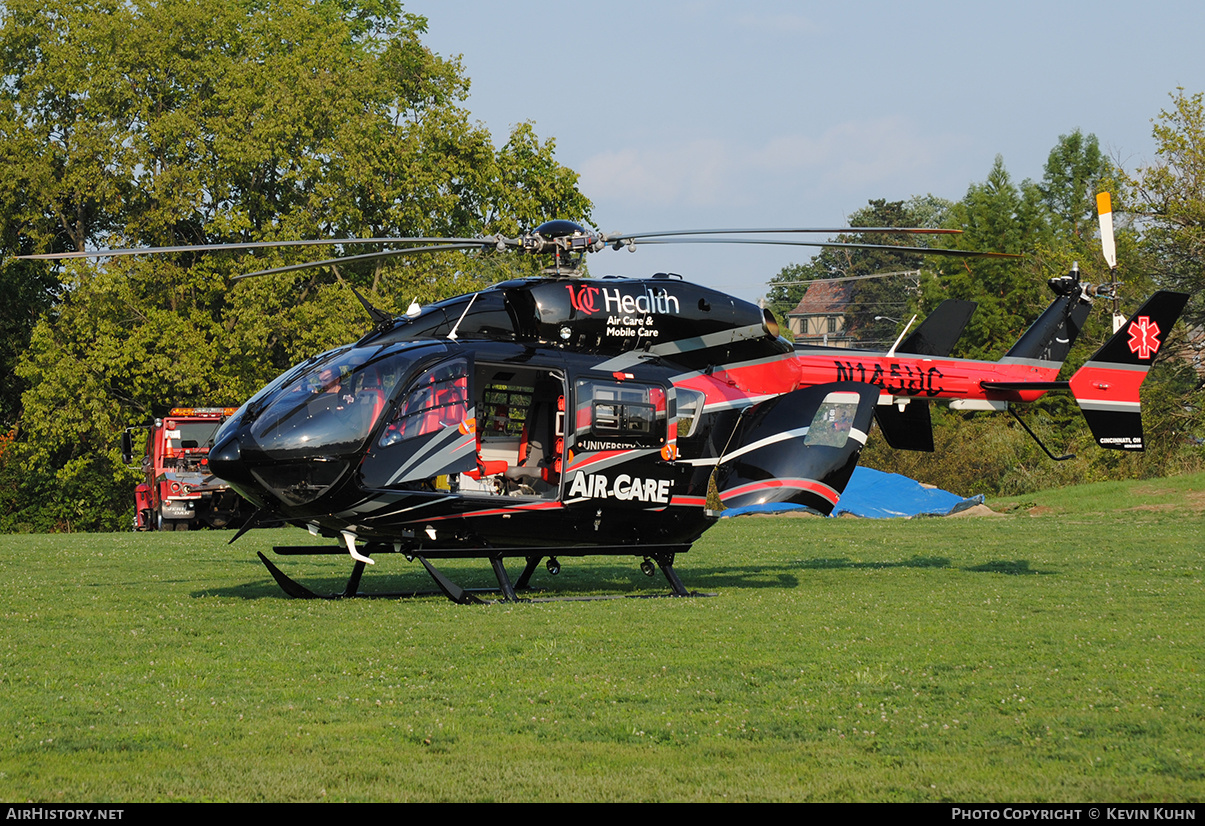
{"type": "Point", "coordinates": [666, 563]}
{"type": "Point", "coordinates": [509, 592]}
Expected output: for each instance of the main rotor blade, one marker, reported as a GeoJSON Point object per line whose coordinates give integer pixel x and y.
{"type": "Point", "coordinates": [371, 256]}
{"type": "Point", "coordinates": [612, 237]}
{"type": "Point", "coordinates": [837, 245]}
{"type": "Point", "coordinates": [255, 245]}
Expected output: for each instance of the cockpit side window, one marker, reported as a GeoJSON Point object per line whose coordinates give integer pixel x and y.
{"type": "Point", "coordinates": [436, 399]}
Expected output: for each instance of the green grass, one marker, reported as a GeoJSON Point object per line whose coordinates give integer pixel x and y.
{"type": "Point", "coordinates": [1052, 654]}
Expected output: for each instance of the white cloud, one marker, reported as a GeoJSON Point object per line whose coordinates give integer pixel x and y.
{"type": "Point", "coordinates": [856, 153]}
{"type": "Point", "coordinates": [693, 173]}
{"type": "Point", "coordinates": [884, 155]}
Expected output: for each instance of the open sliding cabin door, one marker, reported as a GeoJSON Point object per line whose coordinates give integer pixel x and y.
{"type": "Point", "coordinates": [621, 452]}
{"type": "Point", "coordinates": [520, 432]}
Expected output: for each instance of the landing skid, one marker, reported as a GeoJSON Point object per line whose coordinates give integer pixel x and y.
{"type": "Point", "coordinates": [468, 596]}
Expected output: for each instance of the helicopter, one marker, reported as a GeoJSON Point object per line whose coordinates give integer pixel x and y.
{"type": "Point", "coordinates": [565, 416]}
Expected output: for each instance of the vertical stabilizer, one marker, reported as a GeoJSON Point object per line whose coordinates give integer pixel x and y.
{"type": "Point", "coordinates": [1049, 339]}
{"type": "Point", "coordinates": [1106, 388]}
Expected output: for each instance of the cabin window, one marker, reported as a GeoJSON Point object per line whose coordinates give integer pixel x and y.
{"type": "Point", "coordinates": [833, 420]}
{"type": "Point", "coordinates": [504, 408]}
{"type": "Point", "coordinates": [622, 412]}
{"type": "Point", "coordinates": [690, 408]}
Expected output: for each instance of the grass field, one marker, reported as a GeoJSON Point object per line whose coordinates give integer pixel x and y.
{"type": "Point", "coordinates": [1051, 654]}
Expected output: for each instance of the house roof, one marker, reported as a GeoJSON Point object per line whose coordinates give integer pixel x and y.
{"type": "Point", "coordinates": [825, 298]}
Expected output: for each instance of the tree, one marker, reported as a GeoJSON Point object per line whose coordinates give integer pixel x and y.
{"type": "Point", "coordinates": [28, 291]}
{"type": "Point", "coordinates": [788, 287]}
{"type": "Point", "coordinates": [888, 296]}
{"type": "Point", "coordinates": [896, 295]}
{"type": "Point", "coordinates": [996, 216]}
{"type": "Point", "coordinates": [1170, 196]}
{"type": "Point", "coordinates": [1076, 170]}
{"type": "Point", "coordinates": [181, 122]}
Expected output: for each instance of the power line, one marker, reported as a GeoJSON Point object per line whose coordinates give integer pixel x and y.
{"type": "Point", "coordinates": [844, 278]}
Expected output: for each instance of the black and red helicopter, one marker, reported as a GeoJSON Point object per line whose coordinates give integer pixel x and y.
{"type": "Point", "coordinates": [564, 416]}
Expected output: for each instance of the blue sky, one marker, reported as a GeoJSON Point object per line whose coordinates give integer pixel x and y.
{"type": "Point", "coordinates": [695, 113]}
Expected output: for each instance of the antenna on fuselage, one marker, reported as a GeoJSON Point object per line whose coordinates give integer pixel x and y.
{"type": "Point", "coordinates": [907, 327]}
{"type": "Point", "coordinates": [452, 335]}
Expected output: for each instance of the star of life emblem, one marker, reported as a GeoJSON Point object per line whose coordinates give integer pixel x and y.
{"type": "Point", "coordinates": [1144, 337]}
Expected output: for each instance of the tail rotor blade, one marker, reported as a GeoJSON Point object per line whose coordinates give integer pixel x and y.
{"type": "Point", "coordinates": [1104, 208]}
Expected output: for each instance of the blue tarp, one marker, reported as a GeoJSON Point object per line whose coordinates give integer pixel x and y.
{"type": "Point", "coordinates": [877, 495]}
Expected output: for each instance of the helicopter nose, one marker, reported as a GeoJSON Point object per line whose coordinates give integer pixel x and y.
{"type": "Point", "coordinates": [226, 460]}
{"type": "Point", "coordinates": [227, 463]}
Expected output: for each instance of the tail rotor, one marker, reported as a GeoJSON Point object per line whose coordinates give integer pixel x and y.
{"type": "Point", "coordinates": [1104, 210]}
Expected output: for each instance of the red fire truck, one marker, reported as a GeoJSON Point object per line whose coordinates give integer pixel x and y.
{"type": "Point", "coordinates": [178, 492]}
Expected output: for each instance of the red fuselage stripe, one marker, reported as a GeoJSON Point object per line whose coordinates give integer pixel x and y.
{"type": "Point", "coordinates": [912, 377]}
{"type": "Point", "coordinates": [809, 485]}
{"type": "Point", "coordinates": [534, 506]}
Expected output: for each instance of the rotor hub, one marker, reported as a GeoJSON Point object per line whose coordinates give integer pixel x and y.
{"type": "Point", "coordinates": [559, 235]}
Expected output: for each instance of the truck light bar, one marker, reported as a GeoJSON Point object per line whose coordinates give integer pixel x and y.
{"type": "Point", "coordinates": [208, 412]}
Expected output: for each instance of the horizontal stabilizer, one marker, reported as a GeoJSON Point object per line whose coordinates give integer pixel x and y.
{"type": "Point", "coordinates": [1025, 385]}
